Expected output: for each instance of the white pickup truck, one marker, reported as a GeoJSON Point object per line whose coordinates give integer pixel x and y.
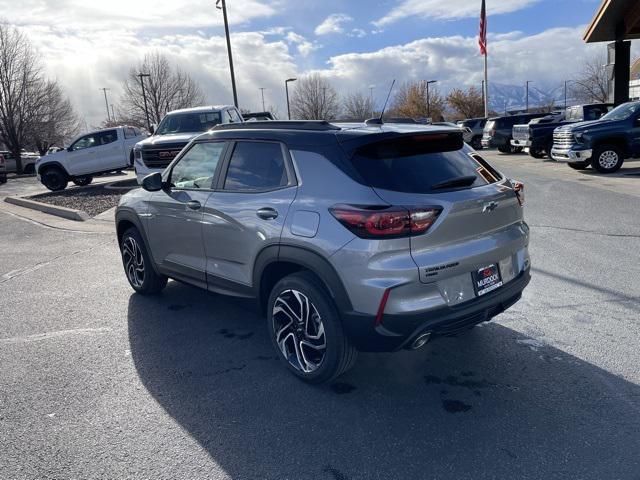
{"type": "Point", "coordinates": [88, 155]}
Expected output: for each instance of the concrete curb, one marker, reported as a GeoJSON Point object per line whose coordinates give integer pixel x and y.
{"type": "Point", "coordinates": [64, 212]}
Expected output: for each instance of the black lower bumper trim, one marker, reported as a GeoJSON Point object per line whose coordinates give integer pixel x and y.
{"type": "Point", "coordinates": [399, 331]}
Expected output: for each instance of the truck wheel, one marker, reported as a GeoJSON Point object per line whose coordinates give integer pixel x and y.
{"type": "Point", "coordinates": [607, 158]}
{"type": "Point", "coordinates": [131, 158]}
{"type": "Point", "coordinates": [82, 181]}
{"type": "Point", "coordinates": [536, 153]}
{"type": "Point", "coordinates": [578, 165]}
{"type": "Point", "coordinates": [476, 143]}
{"type": "Point", "coordinates": [54, 178]}
{"type": "Point", "coordinates": [505, 149]}
{"type": "Point", "coordinates": [29, 169]}
{"type": "Point", "coordinates": [306, 330]}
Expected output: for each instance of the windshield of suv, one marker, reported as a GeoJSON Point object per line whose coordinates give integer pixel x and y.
{"type": "Point", "coordinates": [422, 164]}
{"type": "Point", "coordinates": [188, 122]}
{"type": "Point", "coordinates": [622, 112]}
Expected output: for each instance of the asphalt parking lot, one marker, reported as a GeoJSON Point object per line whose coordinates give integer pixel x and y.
{"type": "Point", "coordinates": [97, 382]}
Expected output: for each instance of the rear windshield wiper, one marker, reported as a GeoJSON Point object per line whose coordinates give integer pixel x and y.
{"type": "Point", "coordinates": [465, 181]}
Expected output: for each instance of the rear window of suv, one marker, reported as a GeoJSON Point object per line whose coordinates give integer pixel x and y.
{"type": "Point", "coordinates": [422, 164]}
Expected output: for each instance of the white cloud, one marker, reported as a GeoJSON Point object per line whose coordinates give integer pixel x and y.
{"type": "Point", "coordinates": [304, 46]}
{"type": "Point", "coordinates": [449, 9]}
{"type": "Point", "coordinates": [455, 61]}
{"type": "Point", "coordinates": [357, 32]}
{"type": "Point", "coordinates": [150, 14]}
{"type": "Point", "coordinates": [334, 23]}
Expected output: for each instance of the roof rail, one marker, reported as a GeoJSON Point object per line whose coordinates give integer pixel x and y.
{"type": "Point", "coordinates": [315, 125]}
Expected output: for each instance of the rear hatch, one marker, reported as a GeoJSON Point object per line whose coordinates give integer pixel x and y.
{"type": "Point", "coordinates": [521, 132]}
{"type": "Point", "coordinates": [481, 219]}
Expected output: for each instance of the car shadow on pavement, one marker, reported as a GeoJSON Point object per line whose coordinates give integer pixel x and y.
{"type": "Point", "coordinates": [491, 403]}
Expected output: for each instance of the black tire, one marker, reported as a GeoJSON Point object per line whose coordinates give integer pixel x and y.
{"type": "Point", "coordinates": [54, 178]}
{"type": "Point", "coordinates": [578, 165]}
{"type": "Point", "coordinates": [548, 149]}
{"type": "Point", "coordinates": [505, 149]}
{"type": "Point", "coordinates": [536, 153]}
{"type": "Point", "coordinates": [82, 181]}
{"type": "Point", "coordinates": [131, 158]}
{"type": "Point", "coordinates": [476, 143]}
{"type": "Point", "coordinates": [607, 158]}
{"type": "Point", "coordinates": [29, 169]}
{"type": "Point", "coordinates": [3, 179]}
{"type": "Point", "coordinates": [321, 366]}
{"type": "Point", "coordinates": [135, 257]}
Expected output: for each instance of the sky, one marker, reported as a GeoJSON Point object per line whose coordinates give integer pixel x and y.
{"type": "Point", "coordinates": [356, 44]}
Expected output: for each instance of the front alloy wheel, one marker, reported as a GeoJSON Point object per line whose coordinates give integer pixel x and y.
{"type": "Point", "coordinates": [607, 159]}
{"type": "Point", "coordinates": [133, 262]}
{"type": "Point", "coordinates": [299, 331]}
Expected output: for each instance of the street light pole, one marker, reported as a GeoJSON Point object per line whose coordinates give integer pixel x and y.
{"type": "Point", "coordinates": [528, 82]}
{"type": "Point", "coordinates": [144, 97]}
{"type": "Point", "coordinates": [371, 100]}
{"type": "Point", "coordinates": [286, 89]}
{"type": "Point", "coordinates": [429, 82]}
{"type": "Point", "coordinates": [226, 31]}
{"type": "Point", "coordinates": [262, 89]}
{"type": "Point", "coordinates": [106, 103]}
{"type": "Point", "coordinates": [482, 92]}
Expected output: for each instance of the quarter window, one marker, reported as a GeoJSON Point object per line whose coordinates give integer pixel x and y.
{"type": "Point", "coordinates": [197, 167]}
{"type": "Point", "coordinates": [129, 132]}
{"type": "Point", "coordinates": [256, 166]}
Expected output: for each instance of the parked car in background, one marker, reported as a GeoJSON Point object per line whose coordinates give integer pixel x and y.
{"type": "Point", "coordinates": [29, 160]}
{"type": "Point", "coordinates": [3, 169]}
{"type": "Point", "coordinates": [497, 131]}
{"type": "Point", "coordinates": [258, 116]}
{"type": "Point", "coordinates": [476, 127]}
{"type": "Point", "coordinates": [537, 136]}
{"type": "Point", "coordinates": [54, 150]}
{"type": "Point", "coordinates": [175, 131]}
{"type": "Point", "coordinates": [354, 238]}
{"type": "Point", "coordinates": [91, 154]}
{"type": "Point", "coordinates": [604, 144]}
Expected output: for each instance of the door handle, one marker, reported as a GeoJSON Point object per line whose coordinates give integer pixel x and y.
{"type": "Point", "coordinates": [267, 213]}
{"type": "Point", "coordinates": [194, 204]}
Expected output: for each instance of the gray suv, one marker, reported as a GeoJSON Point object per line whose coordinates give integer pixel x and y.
{"type": "Point", "coordinates": [372, 237]}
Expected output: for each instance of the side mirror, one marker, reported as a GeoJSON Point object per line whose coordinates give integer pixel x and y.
{"type": "Point", "coordinates": [152, 182]}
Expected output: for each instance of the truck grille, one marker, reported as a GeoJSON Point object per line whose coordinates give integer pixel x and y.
{"type": "Point", "coordinates": [563, 138]}
{"type": "Point", "coordinates": [159, 156]}
{"type": "Point", "coordinates": [521, 132]}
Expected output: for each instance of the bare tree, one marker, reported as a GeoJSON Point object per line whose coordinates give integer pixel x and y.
{"type": "Point", "coordinates": [592, 84]}
{"type": "Point", "coordinates": [22, 89]}
{"type": "Point", "coordinates": [466, 104]}
{"type": "Point", "coordinates": [357, 106]}
{"type": "Point", "coordinates": [167, 88]}
{"type": "Point", "coordinates": [314, 99]}
{"type": "Point", "coordinates": [411, 101]}
{"type": "Point", "coordinates": [54, 122]}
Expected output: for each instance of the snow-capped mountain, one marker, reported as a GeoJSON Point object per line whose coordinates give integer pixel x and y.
{"type": "Point", "coordinates": [504, 97]}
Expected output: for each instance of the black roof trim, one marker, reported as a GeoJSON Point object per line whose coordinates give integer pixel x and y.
{"type": "Point", "coordinates": [314, 125]}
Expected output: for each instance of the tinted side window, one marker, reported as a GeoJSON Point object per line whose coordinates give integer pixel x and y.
{"type": "Point", "coordinates": [107, 137]}
{"type": "Point", "coordinates": [87, 141]}
{"type": "Point", "coordinates": [256, 166]}
{"type": "Point", "coordinates": [197, 167]}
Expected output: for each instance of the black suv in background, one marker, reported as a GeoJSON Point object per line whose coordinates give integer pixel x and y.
{"type": "Point", "coordinates": [498, 131]}
{"type": "Point", "coordinates": [476, 125]}
{"type": "Point", "coordinates": [537, 136]}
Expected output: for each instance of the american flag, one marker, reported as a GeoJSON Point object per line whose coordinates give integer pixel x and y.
{"type": "Point", "coordinates": [482, 41]}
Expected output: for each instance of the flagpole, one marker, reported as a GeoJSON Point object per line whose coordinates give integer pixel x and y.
{"type": "Point", "coordinates": [486, 86]}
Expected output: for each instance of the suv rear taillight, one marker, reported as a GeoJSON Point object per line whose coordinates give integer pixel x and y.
{"type": "Point", "coordinates": [518, 187]}
{"type": "Point", "coordinates": [385, 222]}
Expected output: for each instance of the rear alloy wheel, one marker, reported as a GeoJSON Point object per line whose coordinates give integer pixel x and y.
{"type": "Point", "coordinates": [607, 159]}
{"type": "Point", "coordinates": [306, 330]}
{"type": "Point", "coordinates": [54, 179]}
{"type": "Point", "coordinates": [137, 264]}
{"type": "Point", "coordinates": [476, 143]}
{"type": "Point", "coordinates": [83, 180]}
{"type": "Point", "coordinates": [578, 165]}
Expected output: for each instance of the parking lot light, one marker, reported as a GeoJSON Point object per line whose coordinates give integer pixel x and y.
{"type": "Point", "coordinates": [286, 89]}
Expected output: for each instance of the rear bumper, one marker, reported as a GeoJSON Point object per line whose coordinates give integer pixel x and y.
{"type": "Point", "coordinates": [399, 331]}
{"type": "Point", "coordinates": [570, 155]}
